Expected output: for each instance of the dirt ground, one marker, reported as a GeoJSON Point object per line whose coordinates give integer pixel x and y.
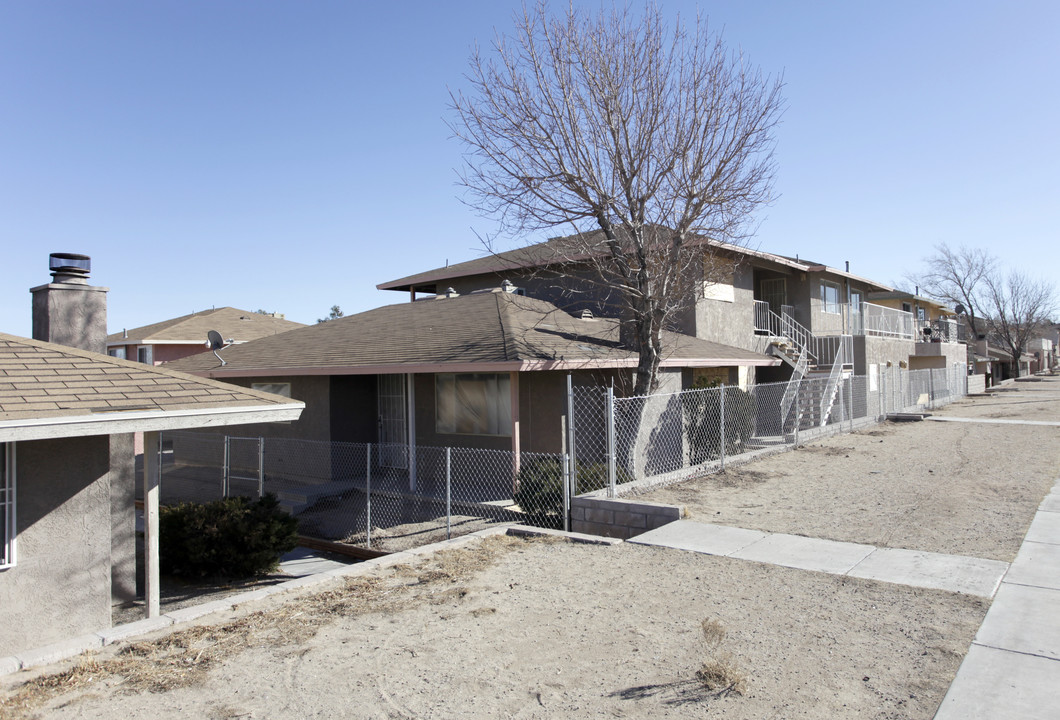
{"type": "Point", "coordinates": [947, 487]}
{"type": "Point", "coordinates": [514, 629]}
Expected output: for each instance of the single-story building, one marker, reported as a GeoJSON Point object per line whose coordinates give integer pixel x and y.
{"type": "Point", "coordinates": [67, 494]}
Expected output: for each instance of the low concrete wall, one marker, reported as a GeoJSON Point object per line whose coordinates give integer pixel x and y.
{"type": "Point", "coordinates": [976, 384]}
{"type": "Point", "coordinates": [619, 518]}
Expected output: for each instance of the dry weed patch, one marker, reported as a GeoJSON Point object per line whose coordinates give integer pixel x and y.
{"type": "Point", "coordinates": [719, 673]}
{"type": "Point", "coordinates": [183, 658]}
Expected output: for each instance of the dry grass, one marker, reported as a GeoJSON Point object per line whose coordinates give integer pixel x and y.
{"type": "Point", "coordinates": [719, 673]}
{"type": "Point", "coordinates": [183, 658]}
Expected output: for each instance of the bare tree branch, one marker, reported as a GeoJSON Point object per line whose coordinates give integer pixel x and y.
{"type": "Point", "coordinates": [1020, 308]}
{"type": "Point", "coordinates": [644, 140]}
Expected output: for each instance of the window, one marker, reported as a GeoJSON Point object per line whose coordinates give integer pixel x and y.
{"type": "Point", "coordinates": [144, 355]}
{"type": "Point", "coordinates": [274, 388]}
{"type": "Point", "coordinates": [117, 352]}
{"type": "Point", "coordinates": [7, 505]}
{"type": "Point", "coordinates": [283, 389]}
{"type": "Point", "coordinates": [473, 404]}
{"type": "Point", "coordinates": [830, 297]}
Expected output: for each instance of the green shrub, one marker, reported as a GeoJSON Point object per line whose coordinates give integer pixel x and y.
{"type": "Point", "coordinates": [228, 538]}
{"type": "Point", "coordinates": [539, 489]}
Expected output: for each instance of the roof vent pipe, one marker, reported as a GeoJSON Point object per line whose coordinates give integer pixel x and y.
{"type": "Point", "coordinates": [848, 266]}
{"type": "Point", "coordinates": [450, 292]}
{"type": "Point", "coordinates": [507, 286]}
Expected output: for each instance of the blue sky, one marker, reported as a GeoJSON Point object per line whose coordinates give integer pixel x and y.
{"type": "Point", "coordinates": [291, 155]}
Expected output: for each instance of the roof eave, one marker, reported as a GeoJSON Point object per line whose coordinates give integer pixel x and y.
{"type": "Point", "coordinates": [144, 421]}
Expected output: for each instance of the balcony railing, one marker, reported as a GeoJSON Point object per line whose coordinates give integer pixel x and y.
{"type": "Point", "coordinates": [946, 329]}
{"type": "Point", "coordinates": [888, 322]}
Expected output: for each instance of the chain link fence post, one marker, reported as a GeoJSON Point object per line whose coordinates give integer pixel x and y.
{"type": "Point", "coordinates": [611, 441]}
{"type": "Point", "coordinates": [721, 435]}
{"type": "Point", "coordinates": [448, 493]}
{"type": "Point", "coordinates": [566, 491]}
{"type": "Point", "coordinates": [261, 468]}
{"type": "Point", "coordinates": [368, 498]}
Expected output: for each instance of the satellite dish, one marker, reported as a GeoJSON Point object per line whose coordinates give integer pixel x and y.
{"type": "Point", "coordinates": [215, 343]}
{"type": "Point", "coordinates": [959, 309]}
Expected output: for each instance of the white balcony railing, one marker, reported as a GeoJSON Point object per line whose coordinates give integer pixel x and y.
{"type": "Point", "coordinates": [888, 322]}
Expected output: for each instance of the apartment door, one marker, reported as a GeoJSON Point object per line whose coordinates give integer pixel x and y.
{"type": "Point", "coordinates": [775, 292]}
{"type": "Point", "coordinates": [393, 421]}
{"type": "Point", "coordinates": [857, 318]}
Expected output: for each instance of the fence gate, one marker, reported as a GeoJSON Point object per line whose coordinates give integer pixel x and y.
{"type": "Point", "coordinates": [244, 467]}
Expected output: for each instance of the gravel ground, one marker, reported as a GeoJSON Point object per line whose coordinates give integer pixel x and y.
{"type": "Point", "coordinates": [543, 629]}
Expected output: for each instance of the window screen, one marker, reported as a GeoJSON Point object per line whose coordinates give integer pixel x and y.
{"type": "Point", "coordinates": [473, 404]}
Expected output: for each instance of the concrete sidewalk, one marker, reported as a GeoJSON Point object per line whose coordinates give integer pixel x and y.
{"type": "Point", "coordinates": [1013, 667]}
{"type": "Point", "coordinates": [955, 573]}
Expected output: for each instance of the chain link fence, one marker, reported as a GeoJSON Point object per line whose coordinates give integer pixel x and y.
{"type": "Point", "coordinates": [386, 498]}
{"type": "Point", "coordinates": [375, 496]}
{"type": "Point", "coordinates": [622, 444]}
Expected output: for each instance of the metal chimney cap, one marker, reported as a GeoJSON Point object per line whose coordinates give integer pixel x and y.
{"type": "Point", "coordinates": [71, 263]}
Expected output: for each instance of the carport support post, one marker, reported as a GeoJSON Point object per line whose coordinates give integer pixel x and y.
{"type": "Point", "coordinates": [151, 484]}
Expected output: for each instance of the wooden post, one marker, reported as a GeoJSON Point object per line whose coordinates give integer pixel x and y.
{"type": "Point", "coordinates": [151, 491]}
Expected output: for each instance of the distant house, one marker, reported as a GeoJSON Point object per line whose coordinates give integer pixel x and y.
{"type": "Point", "coordinates": [483, 370]}
{"type": "Point", "coordinates": [183, 336]}
{"type": "Point", "coordinates": [67, 418]}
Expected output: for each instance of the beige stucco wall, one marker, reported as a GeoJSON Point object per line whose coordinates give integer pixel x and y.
{"type": "Point", "coordinates": [61, 586]}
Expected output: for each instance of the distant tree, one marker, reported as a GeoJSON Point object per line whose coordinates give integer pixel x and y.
{"type": "Point", "coordinates": [335, 314]}
{"type": "Point", "coordinates": [1020, 308]}
{"type": "Point", "coordinates": [959, 277]}
{"type": "Point", "coordinates": [650, 142]}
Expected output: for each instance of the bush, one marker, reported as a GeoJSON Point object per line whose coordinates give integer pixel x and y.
{"type": "Point", "coordinates": [703, 414]}
{"type": "Point", "coordinates": [540, 487]}
{"type": "Point", "coordinates": [229, 538]}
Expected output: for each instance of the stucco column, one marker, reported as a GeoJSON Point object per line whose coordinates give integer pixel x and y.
{"type": "Point", "coordinates": [151, 490]}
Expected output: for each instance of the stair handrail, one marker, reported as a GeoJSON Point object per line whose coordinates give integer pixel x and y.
{"type": "Point", "coordinates": [846, 345]}
{"type": "Point", "coordinates": [791, 391]}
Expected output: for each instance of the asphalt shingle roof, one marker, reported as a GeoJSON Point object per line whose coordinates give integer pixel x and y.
{"type": "Point", "coordinates": [44, 380]}
{"type": "Point", "coordinates": [231, 323]}
{"type": "Point", "coordinates": [486, 327]}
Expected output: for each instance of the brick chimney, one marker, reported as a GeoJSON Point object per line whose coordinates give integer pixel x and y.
{"type": "Point", "coordinates": [68, 310]}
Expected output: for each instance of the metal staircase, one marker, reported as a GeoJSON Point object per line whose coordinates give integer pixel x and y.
{"type": "Point", "coordinates": [807, 354]}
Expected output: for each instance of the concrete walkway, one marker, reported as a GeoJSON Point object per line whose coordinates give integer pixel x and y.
{"type": "Point", "coordinates": [1013, 667]}
{"type": "Point", "coordinates": [955, 573]}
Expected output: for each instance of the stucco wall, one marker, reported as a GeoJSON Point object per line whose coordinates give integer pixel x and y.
{"type": "Point", "coordinates": [61, 586]}
{"type": "Point", "coordinates": [729, 323]}
{"type": "Point", "coordinates": [872, 350]}
{"type": "Point", "coordinates": [313, 424]}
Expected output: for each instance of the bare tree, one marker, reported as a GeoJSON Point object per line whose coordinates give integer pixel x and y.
{"type": "Point", "coordinates": [959, 277]}
{"type": "Point", "coordinates": [651, 143]}
{"type": "Point", "coordinates": [1020, 308]}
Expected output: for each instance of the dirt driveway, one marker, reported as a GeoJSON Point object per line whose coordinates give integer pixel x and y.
{"type": "Point", "coordinates": [513, 629]}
